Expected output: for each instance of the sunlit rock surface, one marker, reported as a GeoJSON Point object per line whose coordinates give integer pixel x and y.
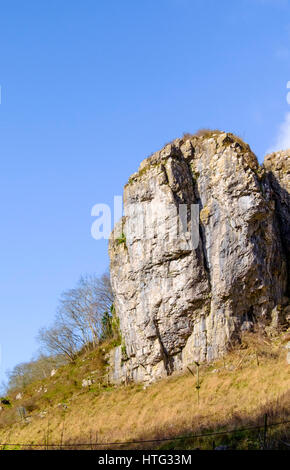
{"type": "Point", "coordinates": [184, 291]}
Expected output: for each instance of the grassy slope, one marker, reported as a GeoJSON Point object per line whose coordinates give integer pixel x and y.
{"type": "Point", "coordinates": [236, 395]}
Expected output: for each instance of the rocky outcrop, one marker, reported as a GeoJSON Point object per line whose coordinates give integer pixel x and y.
{"type": "Point", "coordinates": [277, 166]}
{"type": "Point", "coordinates": [184, 287]}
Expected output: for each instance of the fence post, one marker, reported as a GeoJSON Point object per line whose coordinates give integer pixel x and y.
{"type": "Point", "coordinates": [257, 358]}
{"type": "Point", "coordinates": [265, 430]}
{"type": "Point", "coordinates": [197, 381]}
{"type": "Point", "coordinates": [197, 384]}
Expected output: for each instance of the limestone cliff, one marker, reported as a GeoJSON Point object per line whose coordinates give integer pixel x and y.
{"type": "Point", "coordinates": [180, 301]}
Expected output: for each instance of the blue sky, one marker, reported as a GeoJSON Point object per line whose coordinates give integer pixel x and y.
{"type": "Point", "coordinates": [89, 89]}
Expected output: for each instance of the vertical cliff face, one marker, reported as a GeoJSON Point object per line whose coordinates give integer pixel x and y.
{"type": "Point", "coordinates": [181, 298]}
{"type": "Point", "coordinates": [277, 166]}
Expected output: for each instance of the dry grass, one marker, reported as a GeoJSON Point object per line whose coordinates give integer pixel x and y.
{"type": "Point", "coordinates": [208, 133]}
{"type": "Point", "coordinates": [235, 392]}
{"type": "Point", "coordinates": [202, 133]}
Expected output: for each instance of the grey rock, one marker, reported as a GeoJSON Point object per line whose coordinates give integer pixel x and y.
{"type": "Point", "coordinates": [277, 166]}
{"type": "Point", "coordinates": [177, 302]}
{"type": "Point", "coordinates": [87, 382]}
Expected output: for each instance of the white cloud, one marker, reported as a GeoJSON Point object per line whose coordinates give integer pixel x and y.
{"type": "Point", "coordinates": [283, 138]}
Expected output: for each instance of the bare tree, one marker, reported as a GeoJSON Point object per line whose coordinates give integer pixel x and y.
{"type": "Point", "coordinates": [59, 339]}
{"type": "Point", "coordinates": [79, 318]}
{"type": "Point", "coordinates": [104, 292]}
{"type": "Point", "coordinates": [27, 372]}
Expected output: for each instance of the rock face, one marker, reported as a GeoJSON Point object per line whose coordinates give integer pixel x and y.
{"type": "Point", "coordinates": [278, 167]}
{"type": "Point", "coordinates": [185, 287]}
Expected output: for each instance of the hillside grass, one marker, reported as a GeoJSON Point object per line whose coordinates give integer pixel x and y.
{"type": "Point", "coordinates": [235, 392]}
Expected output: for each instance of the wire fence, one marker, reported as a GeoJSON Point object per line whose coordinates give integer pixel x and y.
{"type": "Point", "coordinates": [265, 427]}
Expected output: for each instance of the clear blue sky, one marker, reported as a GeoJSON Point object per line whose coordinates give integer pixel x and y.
{"type": "Point", "coordinates": [91, 88]}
